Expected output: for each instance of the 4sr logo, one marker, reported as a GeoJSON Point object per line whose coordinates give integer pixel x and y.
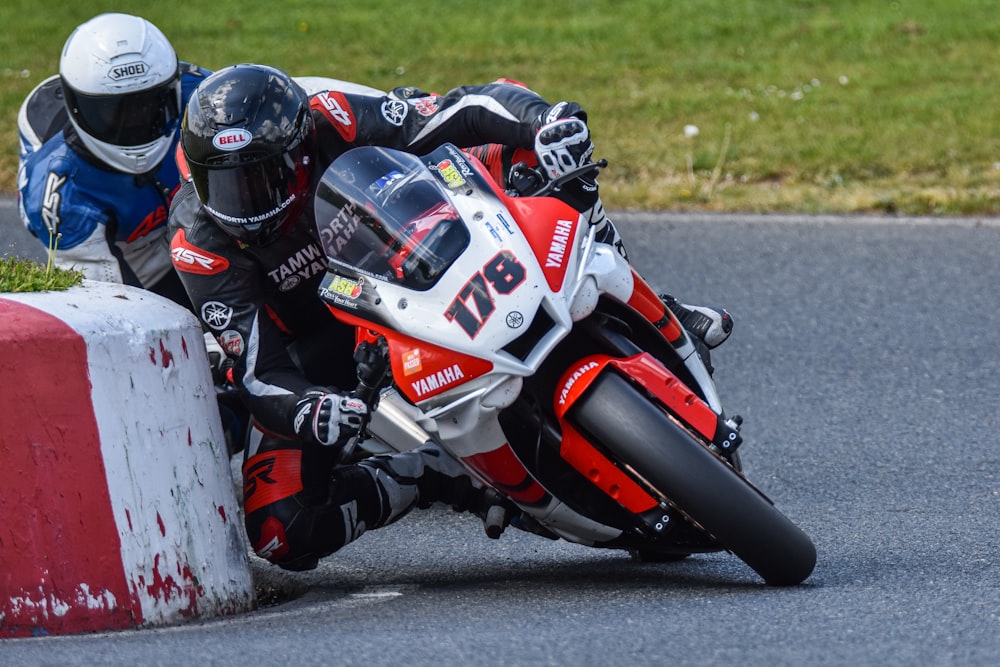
{"type": "Point", "coordinates": [474, 304]}
{"type": "Point", "coordinates": [192, 259]}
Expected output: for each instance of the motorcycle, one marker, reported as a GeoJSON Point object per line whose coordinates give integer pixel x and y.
{"type": "Point", "coordinates": [492, 323]}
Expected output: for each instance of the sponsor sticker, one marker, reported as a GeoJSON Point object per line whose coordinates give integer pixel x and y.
{"type": "Point", "coordinates": [574, 378]}
{"type": "Point", "coordinates": [438, 381]}
{"type": "Point", "coordinates": [559, 246]}
{"type": "Point", "coordinates": [192, 259]}
{"type": "Point", "coordinates": [346, 286]}
{"type": "Point", "coordinates": [452, 178]}
{"type": "Point", "coordinates": [232, 139]}
{"type": "Point", "coordinates": [338, 110]}
{"type": "Point", "coordinates": [232, 342]}
{"type": "Point", "coordinates": [425, 106]}
{"type": "Point", "coordinates": [411, 362]}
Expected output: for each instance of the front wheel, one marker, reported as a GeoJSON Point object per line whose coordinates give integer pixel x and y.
{"type": "Point", "coordinates": [659, 452]}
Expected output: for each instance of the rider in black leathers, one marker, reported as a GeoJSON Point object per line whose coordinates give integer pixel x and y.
{"type": "Point", "coordinates": [245, 246]}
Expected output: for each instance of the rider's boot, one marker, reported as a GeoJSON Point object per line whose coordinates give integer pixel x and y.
{"type": "Point", "coordinates": [423, 476]}
{"type": "Point", "coordinates": [563, 145]}
{"type": "Point", "coordinates": [711, 325]}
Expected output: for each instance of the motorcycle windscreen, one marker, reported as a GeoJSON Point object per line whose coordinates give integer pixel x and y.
{"type": "Point", "coordinates": [384, 214]}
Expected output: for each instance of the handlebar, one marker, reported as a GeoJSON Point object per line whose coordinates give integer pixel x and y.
{"type": "Point", "coordinates": [372, 366]}
{"type": "Point", "coordinates": [530, 182]}
{"type": "Point", "coordinates": [372, 361]}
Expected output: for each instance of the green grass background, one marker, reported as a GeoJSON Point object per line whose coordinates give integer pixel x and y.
{"type": "Point", "coordinates": [800, 105]}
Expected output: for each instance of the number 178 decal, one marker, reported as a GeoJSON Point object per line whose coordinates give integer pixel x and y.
{"type": "Point", "coordinates": [474, 303]}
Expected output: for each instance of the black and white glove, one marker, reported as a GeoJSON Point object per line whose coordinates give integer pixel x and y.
{"type": "Point", "coordinates": [564, 145]}
{"type": "Point", "coordinates": [327, 418]}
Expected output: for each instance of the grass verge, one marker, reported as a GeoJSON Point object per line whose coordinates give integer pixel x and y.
{"type": "Point", "coordinates": [801, 105]}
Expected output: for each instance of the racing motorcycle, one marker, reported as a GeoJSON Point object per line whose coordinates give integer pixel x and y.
{"type": "Point", "coordinates": [492, 323]}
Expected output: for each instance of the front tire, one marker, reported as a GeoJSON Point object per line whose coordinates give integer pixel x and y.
{"type": "Point", "coordinates": [661, 453]}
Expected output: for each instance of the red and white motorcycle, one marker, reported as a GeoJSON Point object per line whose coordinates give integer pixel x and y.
{"type": "Point", "coordinates": [527, 350]}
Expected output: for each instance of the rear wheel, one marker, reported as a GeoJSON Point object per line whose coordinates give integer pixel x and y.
{"type": "Point", "coordinates": [659, 451]}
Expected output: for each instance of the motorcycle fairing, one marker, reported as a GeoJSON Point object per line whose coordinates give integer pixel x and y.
{"type": "Point", "coordinates": [508, 475]}
{"type": "Point", "coordinates": [644, 369]}
{"type": "Point", "coordinates": [508, 310]}
{"type": "Point", "coordinates": [550, 226]}
{"type": "Point", "coordinates": [422, 371]}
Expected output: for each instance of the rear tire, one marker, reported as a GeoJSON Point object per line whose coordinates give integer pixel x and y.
{"type": "Point", "coordinates": [656, 449]}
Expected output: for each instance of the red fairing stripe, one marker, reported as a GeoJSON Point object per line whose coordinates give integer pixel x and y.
{"type": "Point", "coordinates": [506, 472]}
{"type": "Point", "coordinates": [646, 301]}
{"type": "Point", "coordinates": [549, 225]}
{"type": "Point", "coordinates": [422, 370]}
{"type": "Point", "coordinates": [602, 473]}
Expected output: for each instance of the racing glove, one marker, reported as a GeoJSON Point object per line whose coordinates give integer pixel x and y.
{"type": "Point", "coordinates": [327, 418]}
{"type": "Point", "coordinates": [561, 146]}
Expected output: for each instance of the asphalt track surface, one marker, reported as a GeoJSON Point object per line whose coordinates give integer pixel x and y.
{"type": "Point", "coordinates": [864, 364]}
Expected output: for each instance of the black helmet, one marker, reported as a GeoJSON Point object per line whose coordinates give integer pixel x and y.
{"type": "Point", "coordinates": [248, 139]}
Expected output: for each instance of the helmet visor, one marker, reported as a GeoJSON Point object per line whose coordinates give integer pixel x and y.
{"type": "Point", "coordinates": [252, 200]}
{"type": "Point", "coordinates": [131, 119]}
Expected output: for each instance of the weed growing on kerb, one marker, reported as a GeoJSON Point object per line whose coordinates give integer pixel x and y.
{"type": "Point", "coordinates": [23, 275]}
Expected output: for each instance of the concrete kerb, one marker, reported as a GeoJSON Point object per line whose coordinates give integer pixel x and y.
{"type": "Point", "coordinates": [117, 507]}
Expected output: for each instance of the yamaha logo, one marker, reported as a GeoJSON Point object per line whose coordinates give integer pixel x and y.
{"type": "Point", "coordinates": [232, 139]}
{"type": "Point", "coordinates": [394, 111]}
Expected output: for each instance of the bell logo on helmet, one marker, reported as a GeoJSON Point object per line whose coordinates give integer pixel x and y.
{"type": "Point", "coordinates": [232, 139]}
{"type": "Point", "coordinates": [128, 71]}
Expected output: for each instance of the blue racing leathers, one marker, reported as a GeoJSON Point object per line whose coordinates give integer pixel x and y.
{"type": "Point", "coordinates": [108, 224]}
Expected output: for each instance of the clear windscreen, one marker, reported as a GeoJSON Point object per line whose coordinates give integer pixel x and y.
{"type": "Point", "coordinates": [382, 212]}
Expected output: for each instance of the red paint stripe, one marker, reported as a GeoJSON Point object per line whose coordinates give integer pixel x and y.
{"type": "Point", "coordinates": [57, 530]}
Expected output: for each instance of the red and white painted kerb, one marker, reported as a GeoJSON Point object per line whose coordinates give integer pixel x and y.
{"type": "Point", "coordinates": [117, 506]}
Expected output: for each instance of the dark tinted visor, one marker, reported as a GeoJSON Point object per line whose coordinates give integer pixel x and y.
{"type": "Point", "coordinates": [132, 119]}
{"type": "Point", "coordinates": [254, 198]}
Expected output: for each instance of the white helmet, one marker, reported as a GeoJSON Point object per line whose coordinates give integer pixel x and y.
{"type": "Point", "coordinates": [121, 82]}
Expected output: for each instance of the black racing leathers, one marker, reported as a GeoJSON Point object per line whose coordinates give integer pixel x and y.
{"type": "Point", "coordinates": [262, 305]}
{"type": "Point", "coordinates": [261, 302]}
